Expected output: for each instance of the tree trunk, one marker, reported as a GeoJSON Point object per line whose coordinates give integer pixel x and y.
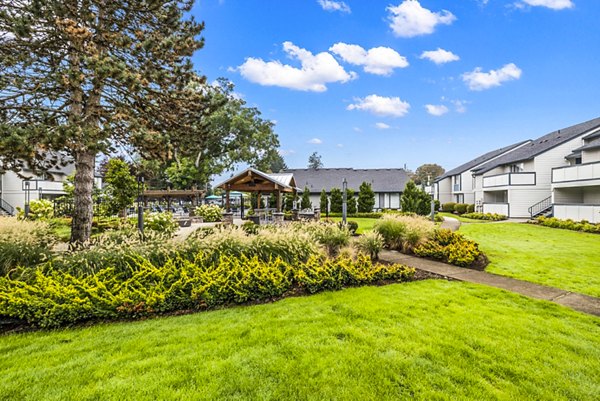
{"type": "Point", "coordinates": [83, 211]}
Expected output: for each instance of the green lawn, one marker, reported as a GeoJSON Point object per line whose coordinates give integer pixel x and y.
{"type": "Point", "coordinates": [462, 219]}
{"type": "Point", "coordinates": [559, 258]}
{"type": "Point", "coordinates": [422, 340]}
{"type": "Point", "coordinates": [364, 224]}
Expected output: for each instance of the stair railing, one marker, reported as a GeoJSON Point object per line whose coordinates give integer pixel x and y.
{"type": "Point", "coordinates": [7, 207]}
{"type": "Point", "coordinates": [540, 207]}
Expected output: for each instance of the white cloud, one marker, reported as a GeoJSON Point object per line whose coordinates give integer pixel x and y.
{"type": "Point", "coordinates": [553, 4]}
{"type": "Point", "coordinates": [436, 109]}
{"type": "Point", "coordinates": [330, 5]}
{"type": "Point", "coordinates": [381, 105]}
{"type": "Point", "coordinates": [378, 60]}
{"type": "Point", "coordinates": [284, 152]}
{"type": "Point", "coordinates": [439, 56]}
{"type": "Point", "coordinates": [382, 126]}
{"type": "Point", "coordinates": [357, 129]}
{"type": "Point", "coordinates": [410, 19]}
{"type": "Point", "coordinates": [315, 141]}
{"type": "Point", "coordinates": [478, 80]}
{"type": "Point", "coordinates": [460, 106]}
{"type": "Point", "coordinates": [316, 70]}
{"type": "Point", "coordinates": [340, 145]}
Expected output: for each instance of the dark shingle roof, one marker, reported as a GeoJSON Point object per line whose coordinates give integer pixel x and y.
{"type": "Point", "coordinates": [594, 144]}
{"type": "Point", "coordinates": [381, 179]}
{"type": "Point", "coordinates": [540, 145]}
{"type": "Point", "coordinates": [479, 160]}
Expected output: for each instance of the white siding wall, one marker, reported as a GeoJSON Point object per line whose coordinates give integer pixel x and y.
{"type": "Point", "coordinates": [445, 190]}
{"type": "Point", "coordinates": [521, 199]}
{"type": "Point", "coordinates": [590, 156]}
{"type": "Point", "coordinates": [567, 195]}
{"type": "Point", "coordinates": [500, 208]}
{"type": "Point", "coordinates": [467, 187]}
{"type": "Point", "coordinates": [554, 157]}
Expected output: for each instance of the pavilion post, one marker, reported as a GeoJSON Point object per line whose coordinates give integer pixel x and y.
{"type": "Point", "coordinates": [227, 201]}
{"type": "Point", "coordinates": [279, 209]}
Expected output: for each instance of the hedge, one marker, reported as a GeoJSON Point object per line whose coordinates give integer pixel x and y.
{"type": "Point", "coordinates": [54, 298]}
{"type": "Point", "coordinates": [485, 216]}
{"type": "Point", "coordinates": [583, 225]}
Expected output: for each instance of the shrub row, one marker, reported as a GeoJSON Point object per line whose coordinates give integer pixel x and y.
{"type": "Point", "coordinates": [485, 216]}
{"type": "Point", "coordinates": [54, 298]}
{"type": "Point", "coordinates": [583, 225]}
{"type": "Point", "coordinates": [458, 208]}
{"type": "Point", "coordinates": [365, 215]}
{"type": "Point", "coordinates": [450, 247]}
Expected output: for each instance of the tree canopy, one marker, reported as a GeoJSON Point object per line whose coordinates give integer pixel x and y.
{"type": "Point", "coordinates": [81, 78]}
{"type": "Point", "coordinates": [427, 171]}
{"type": "Point", "coordinates": [314, 161]}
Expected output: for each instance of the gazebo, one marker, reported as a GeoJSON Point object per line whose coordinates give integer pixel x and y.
{"type": "Point", "coordinates": [252, 180]}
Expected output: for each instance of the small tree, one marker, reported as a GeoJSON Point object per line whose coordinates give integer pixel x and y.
{"type": "Point", "coordinates": [306, 203]}
{"type": "Point", "coordinates": [415, 200]}
{"type": "Point", "coordinates": [314, 161]}
{"type": "Point", "coordinates": [351, 201]}
{"type": "Point", "coordinates": [121, 187]}
{"type": "Point", "coordinates": [336, 200]}
{"type": "Point", "coordinates": [366, 198]}
{"type": "Point", "coordinates": [323, 201]}
{"type": "Point", "coordinates": [288, 202]}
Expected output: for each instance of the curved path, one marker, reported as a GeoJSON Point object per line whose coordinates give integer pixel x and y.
{"type": "Point", "coordinates": [450, 223]}
{"type": "Point", "coordinates": [579, 302]}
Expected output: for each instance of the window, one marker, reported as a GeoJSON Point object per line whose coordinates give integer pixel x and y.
{"type": "Point", "coordinates": [515, 168]}
{"type": "Point", "coordinates": [578, 160]}
{"type": "Point", "coordinates": [382, 201]}
{"type": "Point", "coordinates": [460, 198]}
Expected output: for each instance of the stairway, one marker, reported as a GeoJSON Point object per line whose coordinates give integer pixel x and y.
{"type": "Point", "coordinates": [6, 209]}
{"type": "Point", "coordinates": [542, 208]}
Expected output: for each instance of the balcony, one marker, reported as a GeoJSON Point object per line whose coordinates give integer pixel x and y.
{"type": "Point", "coordinates": [577, 212]}
{"type": "Point", "coordinates": [499, 208]}
{"type": "Point", "coordinates": [575, 175]}
{"type": "Point", "coordinates": [509, 179]}
{"type": "Point", "coordinates": [54, 187]}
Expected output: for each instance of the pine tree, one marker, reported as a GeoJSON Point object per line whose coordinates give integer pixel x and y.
{"type": "Point", "coordinates": [415, 200]}
{"type": "Point", "coordinates": [336, 200]}
{"type": "Point", "coordinates": [81, 78]}
{"type": "Point", "coordinates": [366, 198]}
{"type": "Point", "coordinates": [288, 202]}
{"type": "Point", "coordinates": [350, 201]}
{"type": "Point", "coordinates": [306, 203]}
{"type": "Point", "coordinates": [323, 201]}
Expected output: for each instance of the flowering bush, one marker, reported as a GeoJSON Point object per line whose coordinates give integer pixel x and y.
{"type": "Point", "coordinates": [450, 247]}
{"type": "Point", "coordinates": [209, 213]}
{"type": "Point", "coordinates": [163, 223]}
{"type": "Point", "coordinates": [39, 209]}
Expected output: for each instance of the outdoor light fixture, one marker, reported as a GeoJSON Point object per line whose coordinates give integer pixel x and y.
{"type": "Point", "coordinates": [140, 181]}
{"type": "Point", "coordinates": [27, 198]}
{"type": "Point", "coordinates": [345, 200]}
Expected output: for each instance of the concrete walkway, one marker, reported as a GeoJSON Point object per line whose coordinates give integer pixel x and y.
{"type": "Point", "coordinates": [450, 223]}
{"type": "Point", "coordinates": [579, 302]}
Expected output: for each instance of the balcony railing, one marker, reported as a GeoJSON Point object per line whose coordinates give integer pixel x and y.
{"type": "Point", "coordinates": [579, 172]}
{"type": "Point", "coordinates": [509, 179]}
{"type": "Point", "coordinates": [577, 212]}
{"type": "Point", "coordinates": [499, 208]}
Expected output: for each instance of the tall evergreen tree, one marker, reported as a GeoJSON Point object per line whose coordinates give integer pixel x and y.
{"type": "Point", "coordinates": [121, 186]}
{"type": "Point", "coordinates": [314, 161]}
{"type": "Point", "coordinates": [415, 200]}
{"type": "Point", "coordinates": [323, 201]}
{"type": "Point", "coordinates": [305, 202]}
{"type": "Point", "coordinates": [336, 200]}
{"type": "Point", "coordinates": [350, 201]}
{"type": "Point", "coordinates": [366, 198]}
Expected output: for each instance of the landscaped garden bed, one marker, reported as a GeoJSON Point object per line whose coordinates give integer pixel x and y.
{"type": "Point", "coordinates": [553, 222]}
{"type": "Point", "coordinates": [119, 277]}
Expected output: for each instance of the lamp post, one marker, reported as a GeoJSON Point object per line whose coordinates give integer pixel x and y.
{"type": "Point", "coordinates": [27, 198]}
{"type": "Point", "coordinates": [40, 193]}
{"type": "Point", "coordinates": [140, 180]}
{"type": "Point", "coordinates": [344, 200]}
{"type": "Point", "coordinates": [430, 185]}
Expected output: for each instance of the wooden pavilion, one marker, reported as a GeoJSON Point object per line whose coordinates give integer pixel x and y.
{"type": "Point", "coordinates": [168, 195]}
{"type": "Point", "coordinates": [252, 180]}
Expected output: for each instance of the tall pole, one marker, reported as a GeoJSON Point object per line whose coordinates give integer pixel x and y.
{"type": "Point", "coordinates": [430, 185]}
{"type": "Point", "coordinates": [27, 198]}
{"type": "Point", "coordinates": [345, 201]}
{"type": "Point", "coordinates": [141, 205]}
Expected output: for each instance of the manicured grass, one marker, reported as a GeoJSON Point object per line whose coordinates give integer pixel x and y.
{"type": "Point", "coordinates": [364, 224]}
{"type": "Point", "coordinates": [422, 340]}
{"type": "Point", "coordinates": [462, 219]}
{"type": "Point", "coordinates": [559, 258]}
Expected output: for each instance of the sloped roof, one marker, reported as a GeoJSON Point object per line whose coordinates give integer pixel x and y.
{"type": "Point", "coordinates": [594, 144]}
{"type": "Point", "coordinates": [540, 145]}
{"type": "Point", "coordinates": [381, 179]}
{"type": "Point", "coordinates": [479, 160]}
{"type": "Point", "coordinates": [284, 180]}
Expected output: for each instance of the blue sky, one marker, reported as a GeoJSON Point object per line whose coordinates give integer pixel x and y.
{"type": "Point", "coordinates": [386, 83]}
